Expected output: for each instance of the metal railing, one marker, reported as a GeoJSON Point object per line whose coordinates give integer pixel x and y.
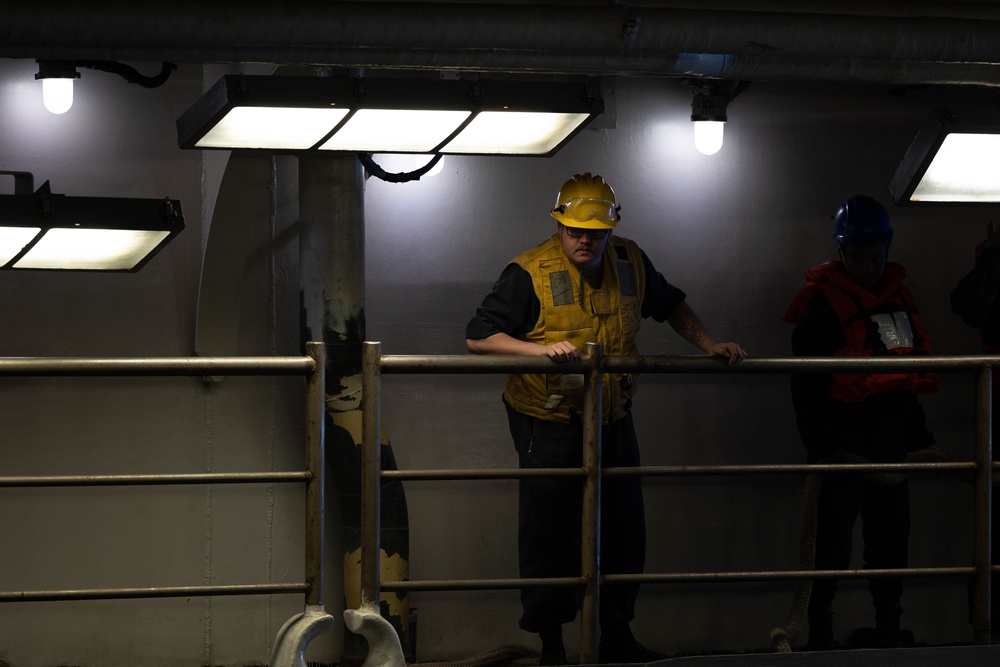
{"type": "Point", "coordinates": [592, 366]}
{"type": "Point", "coordinates": [312, 367]}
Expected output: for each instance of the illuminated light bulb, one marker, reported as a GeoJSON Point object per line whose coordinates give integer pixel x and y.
{"type": "Point", "coordinates": [57, 95]}
{"type": "Point", "coordinates": [421, 160]}
{"type": "Point", "coordinates": [57, 84]}
{"type": "Point", "coordinates": [708, 136]}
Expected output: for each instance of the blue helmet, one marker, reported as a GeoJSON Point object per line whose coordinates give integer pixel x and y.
{"type": "Point", "coordinates": [861, 220]}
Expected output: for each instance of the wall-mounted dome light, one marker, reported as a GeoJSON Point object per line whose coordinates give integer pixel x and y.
{"type": "Point", "coordinates": [709, 103]}
{"type": "Point", "coordinates": [57, 79]}
{"type": "Point", "coordinates": [708, 113]}
{"type": "Point", "coordinates": [57, 84]}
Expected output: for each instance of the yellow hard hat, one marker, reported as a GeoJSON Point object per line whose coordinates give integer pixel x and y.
{"type": "Point", "coordinates": [588, 202]}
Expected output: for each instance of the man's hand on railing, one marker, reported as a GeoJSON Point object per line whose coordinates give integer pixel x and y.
{"type": "Point", "coordinates": [731, 352]}
{"type": "Point", "coordinates": [562, 351]}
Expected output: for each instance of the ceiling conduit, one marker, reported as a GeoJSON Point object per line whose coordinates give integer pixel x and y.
{"type": "Point", "coordinates": [906, 43]}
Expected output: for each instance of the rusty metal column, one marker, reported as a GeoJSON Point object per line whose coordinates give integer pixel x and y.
{"type": "Point", "coordinates": [590, 567]}
{"type": "Point", "coordinates": [983, 508]}
{"type": "Point", "coordinates": [316, 465]}
{"type": "Point", "coordinates": [332, 259]}
{"type": "Point", "coordinates": [371, 382]}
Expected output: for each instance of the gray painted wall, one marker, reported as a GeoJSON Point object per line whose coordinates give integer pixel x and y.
{"type": "Point", "coordinates": [735, 231]}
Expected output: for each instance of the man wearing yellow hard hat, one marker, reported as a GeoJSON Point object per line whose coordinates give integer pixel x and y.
{"type": "Point", "coordinates": [581, 285]}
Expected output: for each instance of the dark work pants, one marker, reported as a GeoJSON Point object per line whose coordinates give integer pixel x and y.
{"type": "Point", "coordinates": [550, 520]}
{"type": "Point", "coordinates": [885, 513]}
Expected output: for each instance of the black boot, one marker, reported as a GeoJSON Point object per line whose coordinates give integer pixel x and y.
{"type": "Point", "coordinates": [888, 634]}
{"type": "Point", "coordinates": [553, 650]}
{"type": "Point", "coordinates": [620, 646]}
{"type": "Point", "coordinates": [821, 637]}
{"type": "Point", "coordinates": [821, 630]}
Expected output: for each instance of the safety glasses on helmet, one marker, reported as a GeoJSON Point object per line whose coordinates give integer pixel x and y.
{"type": "Point", "coordinates": [584, 209]}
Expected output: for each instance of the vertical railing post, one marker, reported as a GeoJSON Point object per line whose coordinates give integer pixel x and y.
{"type": "Point", "coordinates": [590, 566]}
{"type": "Point", "coordinates": [315, 464]}
{"type": "Point", "coordinates": [371, 392]}
{"type": "Point", "coordinates": [983, 506]}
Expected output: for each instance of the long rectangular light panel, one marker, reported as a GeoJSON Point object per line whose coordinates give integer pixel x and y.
{"type": "Point", "coordinates": [282, 128]}
{"type": "Point", "coordinates": [954, 159]}
{"type": "Point", "coordinates": [382, 115]}
{"type": "Point", "coordinates": [56, 232]}
{"type": "Point", "coordinates": [532, 132]}
{"type": "Point", "coordinates": [395, 130]}
{"type": "Point", "coordinates": [77, 249]}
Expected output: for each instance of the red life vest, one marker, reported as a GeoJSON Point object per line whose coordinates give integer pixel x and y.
{"type": "Point", "coordinates": [874, 324]}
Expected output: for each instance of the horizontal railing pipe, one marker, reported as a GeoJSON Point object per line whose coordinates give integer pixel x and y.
{"type": "Point", "coordinates": [151, 592]}
{"type": "Point", "coordinates": [677, 578]}
{"type": "Point", "coordinates": [792, 468]}
{"type": "Point", "coordinates": [769, 365]}
{"type": "Point", "coordinates": [129, 480]}
{"type": "Point", "coordinates": [481, 473]}
{"type": "Point", "coordinates": [309, 366]}
{"type": "Point", "coordinates": [978, 471]}
{"type": "Point", "coordinates": [458, 364]}
{"type": "Point", "coordinates": [154, 366]}
{"type": "Point", "coordinates": [470, 363]}
{"type": "Point", "coordinates": [479, 584]}
{"type": "Point", "coordinates": [785, 575]}
{"type": "Point", "coordinates": [436, 474]}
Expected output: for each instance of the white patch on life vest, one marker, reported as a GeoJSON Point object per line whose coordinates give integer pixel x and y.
{"type": "Point", "coordinates": [553, 402]}
{"type": "Point", "coordinates": [571, 381]}
{"type": "Point", "coordinates": [894, 329]}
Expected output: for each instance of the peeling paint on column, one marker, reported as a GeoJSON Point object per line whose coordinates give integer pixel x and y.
{"type": "Point", "coordinates": [343, 334]}
{"type": "Point", "coordinates": [331, 252]}
{"type": "Point", "coordinates": [393, 568]}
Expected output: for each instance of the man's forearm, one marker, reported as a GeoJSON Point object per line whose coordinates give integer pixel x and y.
{"type": "Point", "coordinates": [501, 343]}
{"type": "Point", "coordinates": [686, 323]}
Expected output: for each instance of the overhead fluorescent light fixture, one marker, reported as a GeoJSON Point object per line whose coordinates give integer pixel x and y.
{"type": "Point", "coordinates": [954, 159]}
{"type": "Point", "coordinates": [57, 232]}
{"type": "Point", "coordinates": [386, 115]}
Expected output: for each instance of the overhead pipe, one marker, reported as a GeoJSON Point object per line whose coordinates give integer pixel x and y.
{"type": "Point", "coordinates": [618, 40]}
{"type": "Point", "coordinates": [211, 30]}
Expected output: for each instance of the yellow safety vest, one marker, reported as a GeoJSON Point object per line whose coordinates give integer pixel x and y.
{"type": "Point", "coordinates": [580, 314]}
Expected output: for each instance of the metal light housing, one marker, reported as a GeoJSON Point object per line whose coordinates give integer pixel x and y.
{"type": "Point", "coordinates": [388, 115]}
{"type": "Point", "coordinates": [57, 232]}
{"type": "Point", "coordinates": [953, 159]}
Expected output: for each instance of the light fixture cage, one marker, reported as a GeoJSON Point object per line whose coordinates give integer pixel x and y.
{"type": "Point", "coordinates": [56, 69]}
{"type": "Point", "coordinates": [32, 225]}
{"type": "Point", "coordinates": [328, 113]}
{"type": "Point", "coordinates": [922, 178]}
{"type": "Point", "coordinates": [708, 104]}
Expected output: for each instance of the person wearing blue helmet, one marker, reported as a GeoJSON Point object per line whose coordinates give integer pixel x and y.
{"type": "Point", "coordinates": [858, 306]}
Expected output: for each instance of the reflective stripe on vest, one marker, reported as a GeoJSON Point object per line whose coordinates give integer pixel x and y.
{"type": "Point", "coordinates": [894, 327]}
